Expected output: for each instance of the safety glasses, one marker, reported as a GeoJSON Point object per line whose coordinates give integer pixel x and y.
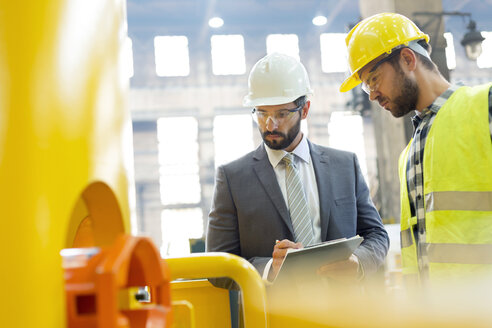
{"type": "Point", "coordinates": [279, 116]}
{"type": "Point", "coordinates": [374, 76]}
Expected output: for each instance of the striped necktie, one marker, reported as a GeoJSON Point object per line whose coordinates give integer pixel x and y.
{"type": "Point", "coordinates": [299, 211]}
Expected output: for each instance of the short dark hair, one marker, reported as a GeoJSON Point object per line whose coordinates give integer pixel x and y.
{"type": "Point", "coordinates": [300, 101]}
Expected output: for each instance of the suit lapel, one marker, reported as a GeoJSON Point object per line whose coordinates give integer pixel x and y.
{"type": "Point", "coordinates": [267, 178]}
{"type": "Point", "coordinates": [321, 164]}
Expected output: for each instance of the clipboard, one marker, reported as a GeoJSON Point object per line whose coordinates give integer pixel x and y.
{"type": "Point", "coordinates": [301, 264]}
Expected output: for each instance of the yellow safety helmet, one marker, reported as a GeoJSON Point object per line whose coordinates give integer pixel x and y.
{"type": "Point", "coordinates": [375, 36]}
{"type": "Point", "coordinates": [276, 79]}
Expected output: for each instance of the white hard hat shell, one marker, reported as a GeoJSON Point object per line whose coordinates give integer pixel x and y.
{"type": "Point", "coordinates": [276, 79]}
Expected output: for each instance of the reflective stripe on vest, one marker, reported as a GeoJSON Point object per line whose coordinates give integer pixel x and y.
{"type": "Point", "coordinates": [459, 253]}
{"type": "Point", "coordinates": [458, 201]}
{"type": "Point", "coordinates": [406, 238]}
{"type": "Point", "coordinates": [452, 253]}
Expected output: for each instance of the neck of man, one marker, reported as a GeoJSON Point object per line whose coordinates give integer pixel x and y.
{"type": "Point", "coordinates": [431, 85]}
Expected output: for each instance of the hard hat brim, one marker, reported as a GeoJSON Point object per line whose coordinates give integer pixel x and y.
{"type": "Point", "coordinates": [351, 82]}
{"type": "Point", "coordinates": [270, 101]}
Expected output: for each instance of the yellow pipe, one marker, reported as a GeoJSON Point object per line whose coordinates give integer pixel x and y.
{"type": "Point", "coordinates": [211, 265]}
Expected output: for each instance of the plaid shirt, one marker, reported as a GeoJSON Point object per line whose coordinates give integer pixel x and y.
{"type": "Point", "coordinates": [415, 176]}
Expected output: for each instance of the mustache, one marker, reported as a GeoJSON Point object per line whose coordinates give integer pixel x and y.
{"type": "Point", "coordinates": [273, 133]}
{"type": "Point", "coordinates": [381, 100]}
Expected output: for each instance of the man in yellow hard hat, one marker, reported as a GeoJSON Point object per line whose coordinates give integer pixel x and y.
{"type": "Point", "coordinates": [446, 170]}
{"type": "Point", "coordinates": [289, 192]}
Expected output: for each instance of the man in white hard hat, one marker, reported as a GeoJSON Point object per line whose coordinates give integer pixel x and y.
{"type": "Point", "coordinates": [289, 192]}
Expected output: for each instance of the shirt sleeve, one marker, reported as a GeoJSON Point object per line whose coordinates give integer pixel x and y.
{"type": "Point", "coordinates": [264, 276]}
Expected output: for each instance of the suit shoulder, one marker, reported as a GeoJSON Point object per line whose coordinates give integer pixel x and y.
{"type": "Point", "coordinates": [334, 153]}
{"type": "Point", "coordinates": [240, 163]}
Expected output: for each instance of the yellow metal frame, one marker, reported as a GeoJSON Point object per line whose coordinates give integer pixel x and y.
{"type": "Point", "coordinates": [181, 309]}
{"type": "Point", "coordinates": [211, 265]}
{"type": "Point", "coordinates": [208, 306]}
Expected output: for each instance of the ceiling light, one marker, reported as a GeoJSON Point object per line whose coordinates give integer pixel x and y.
{"type": "Point", "coordinates": [215, 22]}
{"type": "Point", "coordinates": [320, 20]}
{"type": "Point", "coordinates": [472, 41]}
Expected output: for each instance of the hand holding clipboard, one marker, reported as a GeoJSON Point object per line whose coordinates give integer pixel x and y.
{"type": "Point", "coordinates": [333, 258]}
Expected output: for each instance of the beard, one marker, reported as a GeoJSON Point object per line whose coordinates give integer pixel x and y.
{"type": "Point", "coordinates": [286, 140]}
{"type": "Point", "coordinates": [406, 101]}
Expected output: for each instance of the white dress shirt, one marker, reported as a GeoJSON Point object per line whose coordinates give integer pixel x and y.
{"type": "Point", "coordinates": [304, 164]}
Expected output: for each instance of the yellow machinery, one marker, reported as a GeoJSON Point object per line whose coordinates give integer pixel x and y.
{"type": "Point", "coordinates": [65, 171]}
{"type": "Point", "coordinates": [213, 310]}
{"type": "Point", "coordinates": [65, 145]}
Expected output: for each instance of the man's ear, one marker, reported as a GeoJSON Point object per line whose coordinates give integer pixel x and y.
{"type": "Point", "coordinates": [305, 110]}
{"type": "Point", "coordinates": [408, 58]}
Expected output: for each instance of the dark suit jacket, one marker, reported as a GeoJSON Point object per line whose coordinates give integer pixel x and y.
{"type": "Point", "coordinates": [249, 212]}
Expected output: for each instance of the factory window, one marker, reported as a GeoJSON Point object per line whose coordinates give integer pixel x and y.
{"type": "Point", "coordinates": [127, 60]}
{"type": "Point", "coordinates": [333, 52]}
{"type": "Point", "coordinates": [228, 55]}
{"type": "Point", "coordinates": [171, 56]}
{"type": "Point", "coordinates": [345, 131]}
{"type": "Point", "coordinates": [178, 160]}
{"type": "Point", "coordinates": [233, 137]}
{"type": "Point", "coordinates": [450, 54]}
{"type": "Point", "coordinates": [304, 128]}
{"type": "Point", "coordinates": [178, 226]}
{"type": "Point", "coordinates": [283, 43]}
{"type": "Point", "coordinates": [485, 59]}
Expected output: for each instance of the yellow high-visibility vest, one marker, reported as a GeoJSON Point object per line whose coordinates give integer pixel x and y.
{"type": "Point", "coordinates": [457, 168]}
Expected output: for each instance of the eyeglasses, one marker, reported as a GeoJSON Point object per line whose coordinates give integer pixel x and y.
{"type": "Point", "coordinates": [279, 116]}
{"type": "Point", "coordinates": [373, 80]}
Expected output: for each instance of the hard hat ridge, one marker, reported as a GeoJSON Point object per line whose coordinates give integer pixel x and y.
{"type": "Point", "coordinates": [276, 79]}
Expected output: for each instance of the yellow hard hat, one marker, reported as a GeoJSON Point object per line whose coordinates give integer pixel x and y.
{"type": "Point", "coordinates": [375, 36]}
{"type": "Point", "coordinates": [276, 79]}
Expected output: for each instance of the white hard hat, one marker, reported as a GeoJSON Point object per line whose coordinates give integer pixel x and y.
{"type": "Point", "coordinates": [276, 79]}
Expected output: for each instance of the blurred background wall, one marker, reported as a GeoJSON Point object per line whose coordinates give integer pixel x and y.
{"type": "Point", "coordinates": [190, 60]}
